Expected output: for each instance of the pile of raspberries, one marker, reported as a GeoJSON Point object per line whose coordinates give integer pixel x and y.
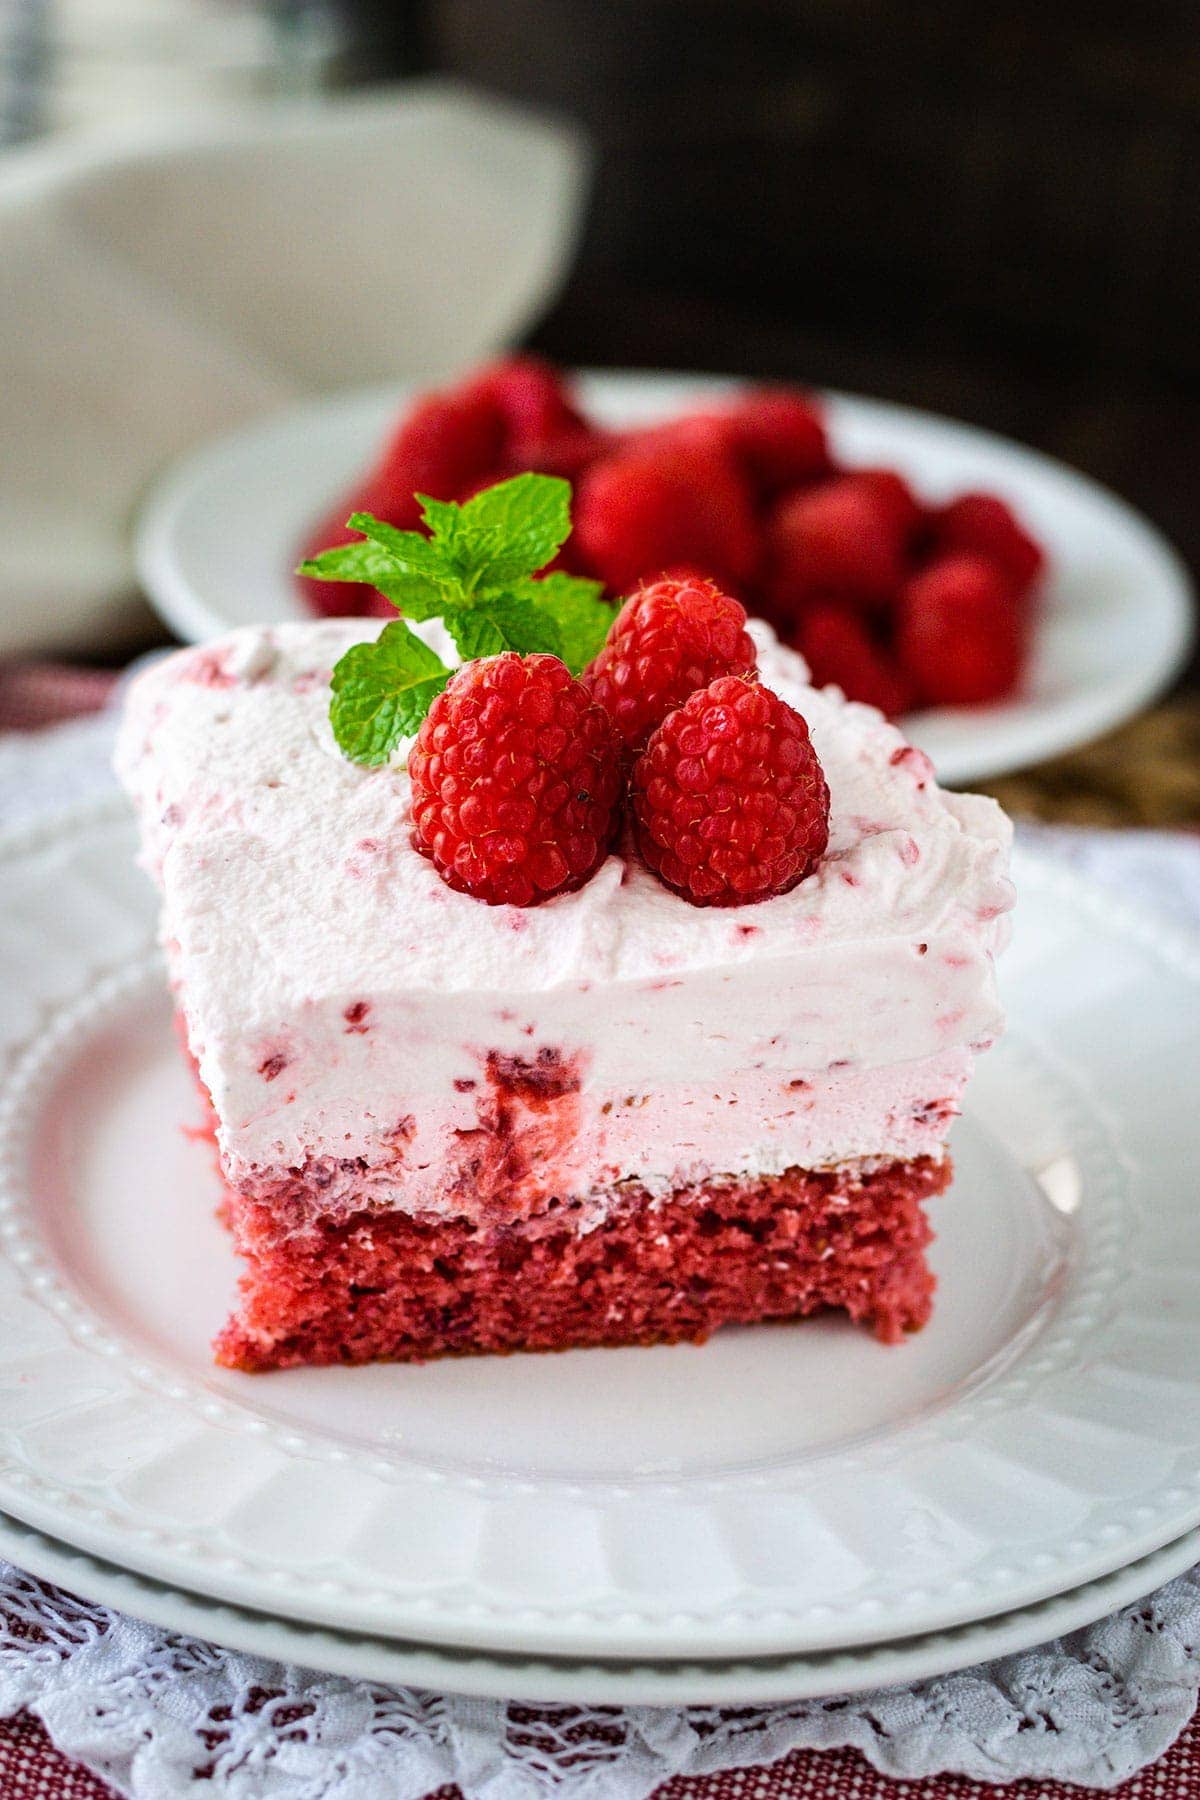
{"type": "Point", "coordinates": [900, 604]}
{"type": "Point", "coordinates": [524, 774]}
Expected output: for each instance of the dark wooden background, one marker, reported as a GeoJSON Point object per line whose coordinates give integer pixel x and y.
{"type": "Point", "coordinates": [991, 210]}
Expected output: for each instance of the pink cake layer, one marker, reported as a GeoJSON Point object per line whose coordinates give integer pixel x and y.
{"type": "Point", "coordinates": [410, 1287]}
{"type": "Point", "coordinates": [526, 1129]}
{"type": "Point", "coordinates": [356, 1020]}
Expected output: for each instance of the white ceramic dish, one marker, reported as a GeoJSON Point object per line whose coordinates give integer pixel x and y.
{"type": "Point", "coordinates": [781, 1491]}
{"type": "Point", "coordinates": [218, 537]}
{"type": "Point", "coordinates": [543, 1679]}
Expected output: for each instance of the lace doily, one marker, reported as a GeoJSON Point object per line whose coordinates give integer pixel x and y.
{"type": "Point", "coordinates": [158, 1715]}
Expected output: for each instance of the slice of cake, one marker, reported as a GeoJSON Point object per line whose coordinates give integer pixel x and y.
{"type": "Point", "coordinates": [450, 1123]}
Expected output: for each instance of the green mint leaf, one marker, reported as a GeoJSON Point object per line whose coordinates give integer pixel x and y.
{"type": "Point", "coordinates": [410, 551]}
{"type": "Point", "coordinates": [382, 691]}
{"type": "Point", "coordinates": [419, 596]}
{"type": "Point", "coordinates": [579, 611]}
{"type": "Point", "coordinates": [508, 530]}
{"type": "Point", "coordinates": [442, 517]}
{"type": "Point", "coordinates": [475, 633]}
{"type": "Point", "coordinates": [498, 622]}
{"type": "Point", "coordinates": [477, 571]}
{"type": "Point", "coordinates": [528, 626]}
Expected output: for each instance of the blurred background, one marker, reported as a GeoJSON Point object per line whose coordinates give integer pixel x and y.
{"type": "Point", "coordinates": [988, 211]}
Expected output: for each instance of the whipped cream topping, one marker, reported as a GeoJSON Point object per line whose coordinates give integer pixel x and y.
{"type": "Point", "coordinates": [334, 987]}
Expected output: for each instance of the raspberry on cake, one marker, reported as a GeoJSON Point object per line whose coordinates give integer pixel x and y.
{"type": "Point", "coordinates": [671, 637]}
{"type": "Point", "coordinates": [515, 777]}
{"type": "Point", "coordinates": [729, 800]}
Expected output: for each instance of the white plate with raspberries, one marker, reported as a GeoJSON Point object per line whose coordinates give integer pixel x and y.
{"type": "Point", "coordinates": [1007, 607]}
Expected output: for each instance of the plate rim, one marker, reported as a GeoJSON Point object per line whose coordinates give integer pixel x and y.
{"type": "Point", "coordinates": [1078, 720]}
{"type": "Point", "coordinates": [535, 1679]}
{"type": "Point", "coordinates": [1168, 945]}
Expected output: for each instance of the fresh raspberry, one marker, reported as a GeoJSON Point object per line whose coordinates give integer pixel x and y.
{"type": "Point", "coordinates": [544, 430]}
{"type": "Point", "coordinates": [982, 525]}
{"type": "Point", "coordinates": [711, 430]}
{"type": "Point", "coordinates": [653, 504]}
{"type": "Point", "coordinates": [336, 599]}
{"type": "Point", "coordinates": [511, 417]}
{"type": "Point", "coordinates": [774, 437]}
{"type": "Point", "coordinates": [960, 632]}
{"type": "Point", "coordinates": [779, 435]}
{"type": "Point", "coordinates": [332, 599]}
{"type": "Point", "coordinates": [890, 487]}
{"type": "Point", "coordinates": [838, 648]}
{"type": "Point", "coordinates": [445, 445]}
{"type": "Point", "coordinates": [670, 638]}
{"type": "Point", "coordinates": [684, 572]}
{"type": "Point", "coordinates": [533, 400]}
{"type": "Point", "coordinates": [568, 453]}
{"type": "Point", "coordinates": [841, 539]}
{"type": "Point", "coordinates": [516, 780]}
{"type": "Point", "coordinates": [730, 802]}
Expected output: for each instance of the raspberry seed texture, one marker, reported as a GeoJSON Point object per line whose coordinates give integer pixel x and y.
{"type": "Point", "coordinates": [516, 781]}
{"type": "Point", "coordinates": [671, 637]}
{"type": "Point", "coordinates": [730, 801]}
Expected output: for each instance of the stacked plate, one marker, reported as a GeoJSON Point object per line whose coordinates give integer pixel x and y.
{"type": "Point", "coordinates": [789, 1510]}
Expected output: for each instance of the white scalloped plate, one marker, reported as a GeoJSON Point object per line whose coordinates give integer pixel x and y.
{"type": "Point", "coordinates": [218, 537]}
{"type": "Point", "coordinates": [591, 1683]}
{"type": "Point", "coordinates": [787, 1490]}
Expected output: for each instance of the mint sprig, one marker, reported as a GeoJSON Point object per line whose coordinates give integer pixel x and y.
{"type": "Point", "coordinates": [382, 691]}
{"type": "Point", "coordinates": [476, 570]}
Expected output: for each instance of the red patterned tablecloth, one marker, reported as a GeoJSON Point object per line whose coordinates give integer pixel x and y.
{"type": "Point", "coordinates": [46, 693]}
